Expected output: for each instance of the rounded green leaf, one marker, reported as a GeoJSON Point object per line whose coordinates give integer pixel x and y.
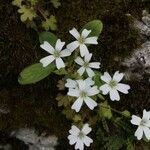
{"type": "Point", "coordinates": [49, 37]}
{"type": "Point", "coordinates": [35, 73]}
{"type": "Point", "coordinates": [95, 26]}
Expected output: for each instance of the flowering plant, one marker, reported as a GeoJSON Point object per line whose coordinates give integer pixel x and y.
{"type": "Point", "coordinates": [85, 85]}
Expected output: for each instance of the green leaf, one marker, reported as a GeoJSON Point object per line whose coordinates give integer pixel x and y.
{"type": "Point", "coordinates": [17, 2]}
{"type": "Point", "coordinates": [105, 110]}
{"type": "Point", "coordinates": [27, 13]}
{"type": "Point", "coordinates": [50, 23]}
{"type": "Point", "coordinates": [35, 73]}
{"type": "Point", "coordinates": [95, 26]}
{"type": "Point", "coordinates": [97, 79]}
{"type": "Point", "coordinates": [49, 37]}
{"type": "Point", "coordinates": [56, 3]}
{"type": "Point", "coordinates": [61, 71]}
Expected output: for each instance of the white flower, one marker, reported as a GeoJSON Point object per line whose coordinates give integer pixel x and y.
{"type": "Point", "coordinates": [79, 137]}
{"type": "Point", "coordinates": [143, 125]}
{"type": "Point", "coordinates": [56, 54]}
{"type": "Point", "coordinates": [87, 65]}
{"type": "Point", "coordinates": [81, 41]}
{"type": "Point", "coordinates": [74, 84]}
{"type": "Point", "coordinates": [83, 93]}
{"type": "Point", "coordinates": [112, 85]}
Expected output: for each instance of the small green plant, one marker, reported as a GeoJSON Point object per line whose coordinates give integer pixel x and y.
{"type": "Point", "coordinates": [84, 103]}
{"type": "Point", "coordinates": [34, 11]}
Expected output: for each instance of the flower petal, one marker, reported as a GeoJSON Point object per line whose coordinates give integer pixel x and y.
{"type": "Point", "coordinates": [88, 57]}
{"type": "Point", "coordinates": [114, 95]}
{"type": "Point", "coordinates": [79, 145]}
{"type": "Point", "coordinates": [85, 33]}
{"type": "Point", "coordinates": [74, 130]}
{"type": "Point", "coordinates": [146, 132]}
{"type": "Point", "coordinates": [90, 72]}
{"type": "Point", "coordinates": [59, 63]}
{"type": "Point", "coordinates": [146, 115]}
{"type": "Point", "coordinates": [73, 92]}
{"type": "Point", "coordinates": [105, 89]}
{"type": "Point", "coordinates": [65, 53]}
{"type": "Point", "coordinates": [139, 133]}
{"type": "Point", "coordinates": [90, 103]}
{"type": "Point", "coordinates": [123, 88]}
{"type": "Point", "coordinates": [91, 40]}
{"type": "Point", "coordinates": [81, 70]}
{"type": "Point", "coordinates": [71, 83]}
{"type": "Point", "coordinates": [75, 33]}
{"type": "Point", "coordinates": [83, 50]}
{"type": "Point", "coordinates": [93, 91]}
{"type": "Point", "coordinates": [81, 84]}
{"type": "Point", "coordinates": [95, 65]}
{"type": "Point", "coordinates": [136, 120]}
{"type": "Point", "coordinates": [79, 61]}
{"type": "Point", "coordinates": [72, 139]}
{"type": "Point", "coordinates": [72, 46]}
{"type": "Point", "coordinates": [59, 45]}
{"type": "Point", "coordinates": [86, 129]}
{"type": "Point", "coordinates": [87, 141]}
{"type": "Point", "coordinates": [47, 60]}
{"type": "Point", "coordinates": [118, 76]}
{"type": "Point", "coordinates": [77, 104]}
{"type": "Point", "coordinates": [47, 47]}
{"type": "Point", "coordinates": [89, 81]}
{"type": "Point", "coordinates": [106, 77]}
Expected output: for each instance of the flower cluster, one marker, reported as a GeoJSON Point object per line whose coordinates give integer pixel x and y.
{"type": "Point", "coordinates": [84, 89]}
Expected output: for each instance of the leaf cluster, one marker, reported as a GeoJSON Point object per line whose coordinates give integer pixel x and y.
{"type": "Point", "coordinates": [34, 11]}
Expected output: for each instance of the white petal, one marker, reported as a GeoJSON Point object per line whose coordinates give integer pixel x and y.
{"type": "Point", "coordinates": [87, 141]}
{"type": "Point", "coordinates": [83, 50]}
{"type": "Point", "coordinates": [65, 53]}
{"type": "Point", "coordinates": [146, 115]}
{"type": "Point", "coordinates": [91, 40]}
{"type": "Point", "coordinates": [148, 123]}
{"type": "Point", "coordinates": [59, 63]}
{"type": "Point", "coordinates": [123, 88]}
{"type": "Point", "coordinates": [81, 70]}
{"type": "Point", "coordinates": [135, 120]}
{"type": "Point", "coordinates": [71, 83]}
{"type": "Point", "coordinates": [89, 81]}
{"type": "Point", "coordinates": [85, 33]}
{"type": "Point", "coordinates": [95, 65]}
{"type": "Point", "coordinates": [59, 45]}
{"type": "Point", "coordinates": [114, 95]}
{"type": "Point", "coordinates": [47, 60]}
{"type": "Point", "coordinates": [90, 103]}
{"type": "Point", "coordinates": [105, 89]}
{"type": "Point", "coordinates": [79, 145]}
{"type": "Point", "coordinates": [81, 84]}
{"type": "Point", "coordinates": [72, 46]}
{"type": "Point", "coordinates": [75, 33]}
{"type": "Point", "coordinates": [93, 91]}
{"type": "Point", "coordinates": [73, 92]}
{"type": "Point", "coordinates": [106, 77]}
{"type": "Point", "coordinates": [86, 129]}
{"type": "Point", "coordinates": [77, 104]}
{"type": "Point", "coordinates": [74, 130]}
{"type": "Point", "coordinates": [90, 72]}
{"type": "Point", "coordinates": [79, 61]}
{"type": "Point", "coordinates": [72, 139]}
{"type": "Point", "coordinates": [139, 133]}
{"type": "Point", "coordinates": [146, 132]}
{"type": "Point", "coordinates": [47, 47]}
{"type": "Point", "coordinates": [118, 76]}
{"type": "Point", "coordinates": [88, 57]}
